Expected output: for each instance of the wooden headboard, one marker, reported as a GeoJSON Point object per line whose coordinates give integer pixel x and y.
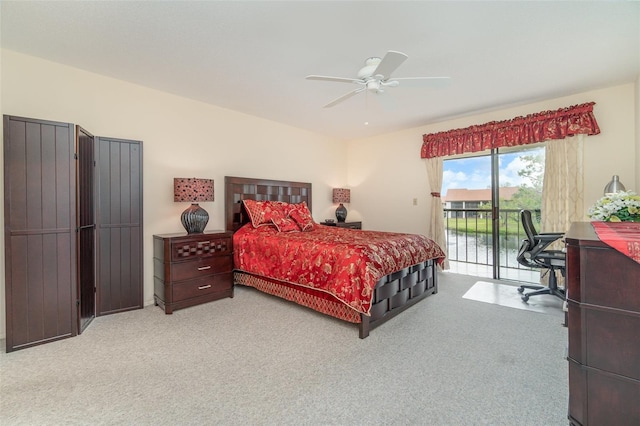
{"type": "Point", "coordinates": [237, 189]}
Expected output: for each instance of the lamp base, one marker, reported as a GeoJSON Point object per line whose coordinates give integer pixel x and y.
{"type": "Point", "coordinates": [194, 219]}
{"type": "Point", "coordinates": [341, 213]}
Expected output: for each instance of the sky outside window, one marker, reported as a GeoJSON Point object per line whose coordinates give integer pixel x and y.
{"type": "Point", "coordinates": [475, 172]}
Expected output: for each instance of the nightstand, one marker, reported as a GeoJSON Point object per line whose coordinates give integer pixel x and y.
{"type": "Point", "coordinates": [192, 269]}
{"type": "Point", "coordinates": [350, 225]}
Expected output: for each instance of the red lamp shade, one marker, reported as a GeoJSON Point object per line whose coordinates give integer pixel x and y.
{"type": "Point", "coordinates": [193, 190]}
{"type": "Point", "coordinates": [341, 195]}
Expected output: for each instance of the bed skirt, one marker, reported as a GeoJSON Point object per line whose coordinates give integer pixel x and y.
{"type": "Point", "coordinates": [309, 297]}
{"type": "Point", "coordinates": [393, 294]}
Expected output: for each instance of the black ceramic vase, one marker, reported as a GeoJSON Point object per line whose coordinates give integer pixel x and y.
{"type": "Point", "coordinates": [341, 213]}
{"type": "Point", "coordinates": [194, 219]}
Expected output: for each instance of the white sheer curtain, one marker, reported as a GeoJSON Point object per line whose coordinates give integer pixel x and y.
{"type": "Point", "coordinates": [435, 227]}
{"type": "Point", "coordinates": [563, 188]}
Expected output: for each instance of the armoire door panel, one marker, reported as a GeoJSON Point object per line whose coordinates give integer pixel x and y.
{"type": "Point", "coordinates": [120, 273]}
{"type": "Point", "coordinates": [65, 267]}
{"type": "Point", "coordinates": [48, 294]}
{"type": "Point", "coordinates": [85, 145]}
{"type": "Point", "coordinates": [40, 277]}
{"type": "Point", "coordinates": [119, 223]}
{"type": "Point", "coordinates": [17, 287]}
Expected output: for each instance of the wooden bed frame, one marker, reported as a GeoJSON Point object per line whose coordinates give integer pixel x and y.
{"type": "Point", "coordinates": [393, 293]}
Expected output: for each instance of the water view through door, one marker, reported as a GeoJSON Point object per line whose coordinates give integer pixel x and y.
{"type": "Point", "coordinates": [482, 198]}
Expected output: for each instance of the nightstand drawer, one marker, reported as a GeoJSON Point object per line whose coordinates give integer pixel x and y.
{"type": "Point", "coordinates": [350, 225]}
{"type": "Point", "coordinates": [204, 246]}
{"type": "Point", "coordinates": [201, 287]}
{"type": "Point", "coordinates": [201, 267]}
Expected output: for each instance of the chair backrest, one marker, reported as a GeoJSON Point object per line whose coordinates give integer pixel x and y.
{"type": "Point", "coordinates": [526, 253]}
{"type": "Point", "coordinates": [527, 224]}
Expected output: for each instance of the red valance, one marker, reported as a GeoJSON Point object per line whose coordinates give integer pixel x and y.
{"type": "Point", "coordinates": [533, 128]}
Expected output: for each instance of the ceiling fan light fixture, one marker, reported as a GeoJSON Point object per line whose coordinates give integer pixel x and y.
{"type": "Point", "coordinates": [373, 85]}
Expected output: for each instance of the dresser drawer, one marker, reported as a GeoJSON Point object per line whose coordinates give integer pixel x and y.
{"type": "Point", "coordinates": [620, 291]}
{"type": "Point", "coordinates": [204, 246]}
{"type": "Point", "coordinates": [201, 267]}
{"type": "Point", "coordinates": [203, 286]}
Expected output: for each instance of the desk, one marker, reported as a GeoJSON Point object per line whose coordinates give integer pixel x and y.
{"type": "Point", "coordinates": [604, 318]}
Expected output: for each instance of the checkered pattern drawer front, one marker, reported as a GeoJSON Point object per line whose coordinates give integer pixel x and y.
{"type": "Point", "coordinates": [185, 249]}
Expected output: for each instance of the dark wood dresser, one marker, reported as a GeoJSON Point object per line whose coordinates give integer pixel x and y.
{"type": "Point", "coordinates": [192, 269]}
{"type": "Point", "coordinates": [604, 324]}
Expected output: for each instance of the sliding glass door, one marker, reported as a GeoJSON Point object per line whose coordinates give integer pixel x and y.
{"type": "Point", "coordinates": [482, 197]}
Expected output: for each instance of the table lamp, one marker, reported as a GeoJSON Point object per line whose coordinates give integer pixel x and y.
{"type": "Point", "coordinates": [341, 195]}
{"type": "Point", "coordinates": [614, 186]}
{"type": "Point", "coordinates": [193, 190]}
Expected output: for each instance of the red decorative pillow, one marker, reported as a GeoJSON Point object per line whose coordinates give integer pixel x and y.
{"type": "Point", "coordinates": [302, 216]}
{"type": "Point", "coordinates": [284, 224]}
{"type": "Point", "coordinates": [262, 212]}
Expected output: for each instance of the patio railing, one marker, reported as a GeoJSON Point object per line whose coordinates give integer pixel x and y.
{"type": "Point", "coordinates": [470, 237]}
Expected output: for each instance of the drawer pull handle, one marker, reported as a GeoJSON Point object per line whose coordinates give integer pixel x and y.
{"type": "Point", "coordinates": [204, 268]}
{"type": "Point", "coordinates": [203, 287]}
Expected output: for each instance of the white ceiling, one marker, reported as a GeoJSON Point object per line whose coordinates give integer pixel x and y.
{"type": "Point", "coordinates": [253, 56]}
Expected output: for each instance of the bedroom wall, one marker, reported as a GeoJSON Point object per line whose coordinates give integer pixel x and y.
{"type": "Point", "coordinates": [386, 172]}
{"type": "Point", "coordinates": [181, 138]}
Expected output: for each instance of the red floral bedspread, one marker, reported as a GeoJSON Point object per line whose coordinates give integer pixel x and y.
{"type": "Point", "coordinates": [342, 262]}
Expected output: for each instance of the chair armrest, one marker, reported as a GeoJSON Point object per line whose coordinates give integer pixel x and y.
{"type": "Point", "coordinates": [542, 241]}
{"type": "Point", "coordinates": [549, 237]}
{"type": "Point", "coordinates": [558, 234]}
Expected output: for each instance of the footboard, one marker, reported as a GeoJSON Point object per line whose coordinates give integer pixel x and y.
{"type": "Point", "coordinates": [396, 292]}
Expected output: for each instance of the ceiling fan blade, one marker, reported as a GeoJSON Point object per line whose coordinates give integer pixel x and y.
{"type": "Point", "coordinates": [344, 97]}
{"type": "Point", "coordinates": [338, 79]}
{"type": "Point", "coordinates": [389, 63]}
{"type": "Point", "coordinates": [423, 81]}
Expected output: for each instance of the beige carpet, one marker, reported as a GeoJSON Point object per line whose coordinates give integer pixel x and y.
{"type": "Point", "coordinates": [258, 360]}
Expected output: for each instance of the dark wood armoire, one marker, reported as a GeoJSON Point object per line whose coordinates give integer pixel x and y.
{"type": "Point", "coordinates": [73, 229]}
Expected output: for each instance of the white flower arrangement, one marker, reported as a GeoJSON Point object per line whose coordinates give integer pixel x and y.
{"type": "Point", "coordinates": [617, 207]}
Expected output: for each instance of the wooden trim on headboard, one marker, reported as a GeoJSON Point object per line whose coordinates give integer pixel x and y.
{"type": "Point", "coordinates": [237, 189]}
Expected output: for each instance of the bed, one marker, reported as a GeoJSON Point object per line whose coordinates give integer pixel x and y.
{"type": "Point", "coordinates": [381, 289]}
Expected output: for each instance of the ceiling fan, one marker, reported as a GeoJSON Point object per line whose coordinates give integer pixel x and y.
{"type": "Point", "coordinates": [375, 76]}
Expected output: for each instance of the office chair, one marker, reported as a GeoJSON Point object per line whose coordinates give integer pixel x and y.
{"type": "Point", "coordinates": [532, 254]}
